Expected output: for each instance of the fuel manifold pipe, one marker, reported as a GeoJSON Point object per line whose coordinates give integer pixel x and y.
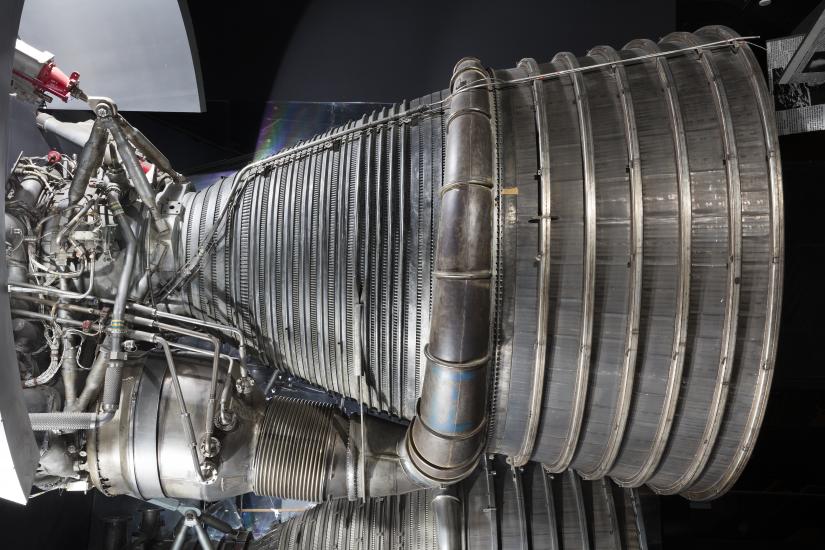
{"type": "Point", "coordinates": [576, 262]}
{"type": "Point", "coordinates": [446, 437]}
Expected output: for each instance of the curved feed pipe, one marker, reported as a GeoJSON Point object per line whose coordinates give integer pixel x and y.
{"type": "Point", "coordinates": [446, 438]}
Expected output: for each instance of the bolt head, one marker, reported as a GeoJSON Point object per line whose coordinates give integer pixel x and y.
{"type": "Point", "coordinates": [210, 447]}
{"type": "Point", "coordinates": [209, 472]}
{"type": "Point", "coordinates": [231, 421]}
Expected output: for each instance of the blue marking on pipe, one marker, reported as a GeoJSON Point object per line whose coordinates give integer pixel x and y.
{"type": "Point", "coordinates": [450, 428]}
{"type": "Point", "coordinates": [454, 374]}
{"type": "Point", "coordinates": [442, 415]}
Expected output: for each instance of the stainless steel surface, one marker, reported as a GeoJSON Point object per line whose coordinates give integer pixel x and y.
{"type": "Point", "coordinates": [447, 510]}
{"type": "Point", "coordinates": [665, 216]}
{"type": "Point", "coordinates": [733, 274]}
{"type": "Point", "coordinates": [299, 310]}
{"type": "Point", "coordinates": [575, 263]}
{"type": "Point", "coordinates": [679, 266]}
{"type": "Point", "coordinates": [146, 434]}
{"type": "Point", "coordinates": [749, 403]}
{"type": "Point", "coordinates": [134, 170]}
{"type": "Point", "coordinates": [297, 448]}
{"type": "Point", "coordinates": [75, 132]}
{"type": "Point", "coordinates": [560, 453]}
{"type": "Point", "coordinates": [151, 47]}
{"type": "Point", "coordinates": [522, 456]}
{"type": "Point", "coordinates": [604, 519]}
{"type": "Point", "coordinates": [690, 248]}
{"type": "Point", "coordinates": [446, 437]}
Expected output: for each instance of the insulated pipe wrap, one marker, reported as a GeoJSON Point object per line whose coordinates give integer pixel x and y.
{"type": "Point", "coordinates": [64, 421]}
{"type": "Point", "coordinates": [634, 271]}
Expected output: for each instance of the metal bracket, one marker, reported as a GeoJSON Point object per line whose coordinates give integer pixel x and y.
{"type": "Point", "coordinates": [813, 43]}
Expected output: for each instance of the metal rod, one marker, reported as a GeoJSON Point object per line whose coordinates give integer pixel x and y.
{"type": "Point", "coordinates": [203, 538]}
{"type": "Point", "coordinates": [227, 385]}
{"type": "Point", "coordinates": [153, 154]}
{"type": "Point", "coordinates": [226, 329]}
{"type": "Point", "coordinates": [186, 419]}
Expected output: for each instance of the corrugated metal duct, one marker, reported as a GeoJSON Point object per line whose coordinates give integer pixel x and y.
{"type": "Point", "coordinates": [637, 259]}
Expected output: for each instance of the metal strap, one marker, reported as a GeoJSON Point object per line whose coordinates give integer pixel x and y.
{"type": "Point", "coordinates": [544, 226]}
{"type": "Point", "coordinates": [677, 353]}
{"type": "Point", "coordinates": [729, 325]}
{"type": "Point", "coordinates": [144, 434]}
{"type": "Point", "coordinates": [588, 269]}
{"type": "Point", "coordinates": [774, 297]}
{"type": "Point", "coordinates": [634, 283]}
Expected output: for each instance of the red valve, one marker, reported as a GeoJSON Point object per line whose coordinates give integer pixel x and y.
{"type": "Point", "coordinates": [51, 79]}
{"type": "Point", "coordinates": [53, 157]}
{"type": "Point", "coordinates": [38, 71]}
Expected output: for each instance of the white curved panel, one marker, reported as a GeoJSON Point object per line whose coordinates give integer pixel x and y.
{"type": "Point", "coordinates": [141, 54]}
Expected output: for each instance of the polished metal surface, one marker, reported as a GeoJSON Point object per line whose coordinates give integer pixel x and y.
{"type": "Point", "coordinates": [302, 272]}
{"type": "Point", "coordinates": [704, 277]}
{"type": "Point", "coordinates": [297, 448]}
{"type": "Point", "coordinates": [446, 437]}
{"type": "Point", "coordinates": [533, 509]}
{"type": "Point", "coordinates": [144, 451]}
{"type": "Point", "coordinates": [543, 307]}
{"type": "Point", "coordinates": [637, 240]}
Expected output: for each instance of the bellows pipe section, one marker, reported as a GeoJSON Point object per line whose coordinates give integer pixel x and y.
{"type": "Point", "coordinates": [634, 277]}
{"type": "Point", "coordinates": [309, 451]}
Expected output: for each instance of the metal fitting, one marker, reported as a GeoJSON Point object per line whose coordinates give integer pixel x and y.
{"type": "Point", "coordinates": [226, 421]}
{"type": "Point", "coordinates": [209, 472]}
{"type": "Point", "coordinates": [210, 446]}
{"type": "Point", "coordinates": [244, 385]}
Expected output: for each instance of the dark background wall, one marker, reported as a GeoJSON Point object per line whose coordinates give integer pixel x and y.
{"type": "Point", "coordinates": [370, 51]}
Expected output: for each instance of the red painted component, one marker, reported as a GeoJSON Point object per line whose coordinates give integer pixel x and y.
{"type": "Point", "coordinates": [146, 166]}
{"type": "Point", "coordinates": [53, 157]}
{"type": "Point", "coordinates": [51, 79]}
